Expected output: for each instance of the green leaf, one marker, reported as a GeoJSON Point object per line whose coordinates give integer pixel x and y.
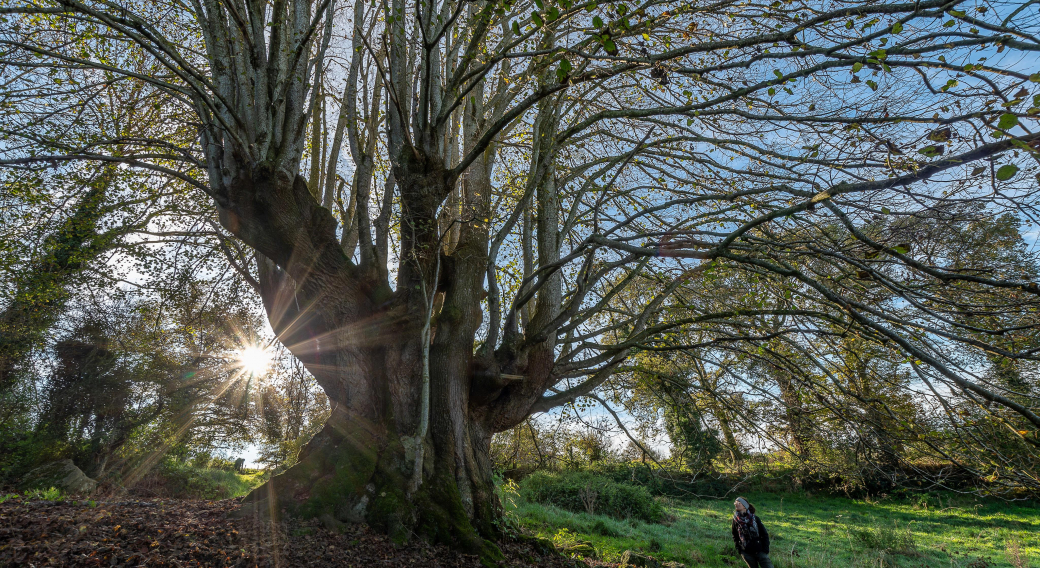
{"type": "Point", "coordinates": [941, 135]}
{"type": "Point", "coordinates": [1007, 172]}
{"type": "Point", "coordinates": [1022, 145]}
{"type": "Point", "coordinates": [856, 67]}
{"type": "Point", "coordinates": [900, 249]}
{"type": "Point", "coordinates": [1035, 77]}
{"type": "Point", "coordinates": [516, 28]}
{"type": "Point", "coordinates": [872, 85]}
{"type": "Point", "coordinates": [538, 21]}
{"type": "Point", "coordinates": [778, 74]}
{"type": "Point", "coordinates": [932, 151]}
{"type": "Point", "coordinates": [978, 170]}
{"type": "Point", "coordinates": [1007, 121]}
{"type": "Point", "coordinates": [897, 27]}
{"type": "Point", "coordinates": [886, 210]}
{"type": "Point", "coordinates": [597, 21]}
{"type": "Point", "coordinates": [772, 91]}
{"type": "Point", "coordinates": [610, 47]}
{"type": "Point", "coordinates": [848, 25]}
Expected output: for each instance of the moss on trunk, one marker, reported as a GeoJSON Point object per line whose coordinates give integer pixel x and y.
{"type": "Point", "coordinates": [351, 473]}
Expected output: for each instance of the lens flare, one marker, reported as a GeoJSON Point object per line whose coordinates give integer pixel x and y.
{"type": "Point", "coordinates": [254, 360]}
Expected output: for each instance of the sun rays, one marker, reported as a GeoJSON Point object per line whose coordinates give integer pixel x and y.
{"type": "Point", "coordinates": [254, 360]}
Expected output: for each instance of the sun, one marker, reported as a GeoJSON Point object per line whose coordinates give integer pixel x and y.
{"type": "Point", "coordinates": [254, 360]}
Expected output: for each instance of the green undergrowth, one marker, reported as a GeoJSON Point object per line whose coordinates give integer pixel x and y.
{"type": "Point", "coordinates": [808, 531]}
{"type": "Point", "coordinates": [580, 491]}
{"type": "Point", "coordinates": [49, 494]}
{"type": "Point", "coordinates": [183, 481]}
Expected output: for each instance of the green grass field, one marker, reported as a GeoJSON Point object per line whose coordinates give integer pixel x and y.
{"type": "Point", "coordinates": [810, 532]}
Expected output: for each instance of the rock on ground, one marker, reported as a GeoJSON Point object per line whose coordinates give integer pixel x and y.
{"type": "Point", "coordinates": [61, 474]}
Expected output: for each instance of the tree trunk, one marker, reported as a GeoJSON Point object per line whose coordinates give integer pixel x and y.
{"type": "Point", "coordinates": [735, 455]}
{"type": "Point", "coordinates": [355, 470]}
{"type": "Point", "coordinates": [797, 426]}
{"type": "Point", "coordinates": [407, 446]}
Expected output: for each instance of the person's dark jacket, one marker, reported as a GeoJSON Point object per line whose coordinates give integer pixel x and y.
{"type": "Point", "coordinates": [755, 545]}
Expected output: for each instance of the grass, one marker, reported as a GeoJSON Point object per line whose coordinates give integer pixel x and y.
{"type": "Point", "coordinates": [183, 481]}
{"type": "Point", "coordinates": [809, 532]}
{"type": "Point", "coordinates": [230, 483]}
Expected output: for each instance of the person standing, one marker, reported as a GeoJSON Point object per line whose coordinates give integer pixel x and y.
{"type": "Point", "coordinates": [750, 536]}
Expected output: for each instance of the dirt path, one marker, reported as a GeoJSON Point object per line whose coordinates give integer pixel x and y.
{"type": "Point", "coordinates": [183, 533]}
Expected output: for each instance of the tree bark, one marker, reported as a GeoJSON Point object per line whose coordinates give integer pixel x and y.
{"type": "Point", "coordinates": [407, 446]}
{"type": "Point", "coordinates": [794, 412]}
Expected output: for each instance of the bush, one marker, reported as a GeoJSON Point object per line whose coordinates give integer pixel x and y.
{"type": "Point", "coordinates": [584, 492]}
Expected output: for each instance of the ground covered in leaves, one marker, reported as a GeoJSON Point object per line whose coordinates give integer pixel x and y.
{"type": "Point", "coordinates": [183, 533]}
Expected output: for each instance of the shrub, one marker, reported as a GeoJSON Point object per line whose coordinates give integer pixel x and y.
{"type": "Point", "coordinates": [584, 492]}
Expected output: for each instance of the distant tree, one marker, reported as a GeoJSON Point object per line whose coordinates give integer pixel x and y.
{"type": "Point", "coordinates": [292, 408]}
{"type": "Point", "coordinates": [641, 452]}
{"type": "Point", "coordinates": [97, 396]}
{"type": "Point", "coordinates": [40, 287]}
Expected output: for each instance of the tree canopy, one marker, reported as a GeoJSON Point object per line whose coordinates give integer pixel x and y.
{"type": "Point", "coordinates": [792, 195]}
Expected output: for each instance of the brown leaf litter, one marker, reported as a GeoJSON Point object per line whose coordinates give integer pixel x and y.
{"type": "Point", "coordinates": [188, 533]}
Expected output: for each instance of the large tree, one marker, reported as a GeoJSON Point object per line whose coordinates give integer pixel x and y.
{"type": "Point", "coordinates": [536, 160]}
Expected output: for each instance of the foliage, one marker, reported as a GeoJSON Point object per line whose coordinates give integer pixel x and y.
{"type": "Point", "coordinates": [136, 379]}
{"type": "Point", "coordinates": [40, 269]}
{"type": "Point", "coordinates": [49, 494]}
{"type": "Point", "coordinates": [172, 478]}
{"type": "Point", "coordinates": [583, 491]}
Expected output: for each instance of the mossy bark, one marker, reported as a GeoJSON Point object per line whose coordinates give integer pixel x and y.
{"type": "Point", "coordinates": [357, 470]}
{"type": "Point", "coordinates": [415, 402]}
